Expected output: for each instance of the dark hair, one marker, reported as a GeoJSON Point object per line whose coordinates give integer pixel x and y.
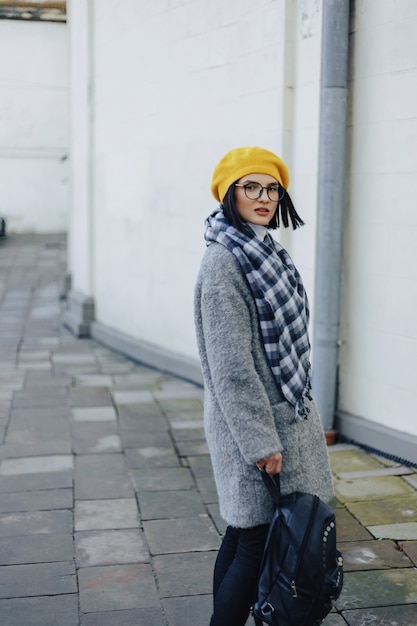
{"type": "Point", "coordinates": [284, 205]}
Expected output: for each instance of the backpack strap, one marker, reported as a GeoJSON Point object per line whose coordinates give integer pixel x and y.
{"type": "Point", "coordinates": [273, 484]}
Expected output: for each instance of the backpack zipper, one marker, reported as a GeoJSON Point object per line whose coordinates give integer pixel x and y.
{"type": "Point", "coordinates": [303, 545]}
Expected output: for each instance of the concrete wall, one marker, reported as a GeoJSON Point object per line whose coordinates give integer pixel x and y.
{"type": "Point", "coordinates": [172, 87]}
{"type": "Point", "coordinates": [378, 358]}
{"type": "Point", "coordinates": [81, 105]}
{"type": "Point", "coordinates": [33, 125]}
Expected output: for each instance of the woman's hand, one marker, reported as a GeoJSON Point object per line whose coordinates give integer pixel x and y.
{"type": "Point", "coordinates": [272, 464]}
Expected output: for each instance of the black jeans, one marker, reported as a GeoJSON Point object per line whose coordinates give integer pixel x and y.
{"type": "Point", "coordinates": [235, 574]}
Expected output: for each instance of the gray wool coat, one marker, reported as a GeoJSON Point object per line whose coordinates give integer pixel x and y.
{"type": "Point", "coordinates": [246, 417]}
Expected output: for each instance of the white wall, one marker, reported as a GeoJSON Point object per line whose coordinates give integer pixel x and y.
{"type": "Point", "coordinates": [174, 86]}
{"type": "Point", "coordinates": [161, 90]}
{"type": "Point", "coordinates": [81, 106]}
{"type": "Point", "coordinates": [303, 140]}
{"type": "Point", "coordinates": [378, 359]}
{"type": "Point", "coordinates": [33, 125]}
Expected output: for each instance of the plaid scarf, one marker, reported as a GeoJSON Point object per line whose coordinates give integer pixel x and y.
{"type": "Point", "coordinates": [281, 303]}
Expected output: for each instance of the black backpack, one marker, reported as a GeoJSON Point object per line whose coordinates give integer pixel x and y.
{"type": "Point", "coordinates": [301, 571]}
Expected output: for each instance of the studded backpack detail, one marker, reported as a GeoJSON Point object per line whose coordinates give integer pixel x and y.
{"type": "Point", "coordinates": [301, 571]}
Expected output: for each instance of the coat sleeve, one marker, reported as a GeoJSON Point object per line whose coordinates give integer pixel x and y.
{"type": "Point", "coordinates": [225, 333]}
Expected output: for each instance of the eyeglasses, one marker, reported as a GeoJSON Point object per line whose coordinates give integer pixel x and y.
{"type": "Point", "coordinates": [253, 191]}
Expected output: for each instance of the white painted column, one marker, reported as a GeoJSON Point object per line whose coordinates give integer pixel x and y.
{"type": "Point", "coordinates": [80, 299]}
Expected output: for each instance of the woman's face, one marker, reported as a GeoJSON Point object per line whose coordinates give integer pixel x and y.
{"type": "Point", "coordinates": [259, 211]}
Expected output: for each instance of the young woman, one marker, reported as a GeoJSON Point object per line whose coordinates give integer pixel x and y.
{"type": "Point", "coordinates": [251, 314]}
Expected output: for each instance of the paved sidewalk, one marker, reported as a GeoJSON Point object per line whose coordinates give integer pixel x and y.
{"type": "Point", "coordinates": [108, 511]}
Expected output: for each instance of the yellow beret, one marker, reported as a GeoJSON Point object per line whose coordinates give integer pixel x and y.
{"type": "Point", "coordinates": [247, 160]}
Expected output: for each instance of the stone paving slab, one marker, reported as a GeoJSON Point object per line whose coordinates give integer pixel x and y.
{"type": "Point", "coordinates": [411, 480]}
{"type": "Point", "coordinates": [366, 489]}
{"type": "Point", "coordinates": [15, 524]}
{"type": "Point", "coordinates": [333, 619]}
{"type": "Point", "coordinates": [207, 490]}
{"type": "Point", "coordinates": [189, 573]}
{"type": "Point", "coordinates": [386, 511]}
{"type": "Point", "coordinates": [51, 397]}
{"type": "Point", "coordinates": [35, 379]}
{"type": "Point", "coordinates": [29, 482]}
{"type": "Point", "coordinates": [106, 514]}
{"type": "Point", "coordinates": [40, 579]}
{"type": "Point", "coordinates": [140, 411]}
{"type": "Point", "coordinates": [188, 434]}
{"type": "Point", "coordinates": [410, 549]}
{"type": "Point", "coordinates": [73, 358]}
{"type": "Point", "coordinates": [193, 534]}
{"type": "Point", "coordinates": [99, 465]}
{"type": "Point", "coordinates": [142, 423]}
{"type": "Point", "coordinates": [385, 471]}
{"type": "Point", "coordinates": [171, 387]}
{"type": "Point", "coordinates": [384, 554]}
{"type": "Point", "coordinates": [89, 396]}
{"type": "Point", "coordinates": [400, 615]}
{"type": "Point", "coordinates": [45, 311]}
{"type": "Point", "coordinates": [142, 377]}
{"type": "Point", "coordinates": [26, 416]}
{"type": "Point", "coordinates": [336, 504]}
{"type": "Point", "coordinates": [399, 532]}
{"type": "Point", "coordinates": [186, 421]}
{"type": "Point", "coordinates": [135, 438]}
{"type": "Point", "coordinates": [34, 448]}
{"type": "Point", "coordinates": [4, 407]}
{"type": "Point", "coordinates": [135, 396]}
{"type": "Point", "coordinates": [110, 547]}
{"type": "Point", "coordinates": [351, 460]}
{"type": "Point", "coordinates": [93, 380]}
{"type": "Point", "coordinates": [45, 341]}
{"type": "Point", "coordinates": [47, 500]}
{"type": "Point", "coordinates": [162, 479]}
{"type": "Point", "coordinates": [30, 355]}
{"type": "Point", "coordinates": [90, 438]}
{"type": "Point", "coordinates": [59, 610]}
{"type": "Point", "coordinates": [152, 456]}
{"type": "Point", "coordinates": [378, 588]}
{"type": "Point", "coordinates": [37, 465]}
{"type": "Point", "coordinates": [170, 504]}
{"type": "Point", "coordinates": [94, 414]}
{"type": "Point", "coordinates": [113, 367]}
{"type": "Point", "coordinates": [11, 380]}
{"type": "Point", "coordinates": [88, 487]}
{"type": "Point", "coordinates": [116, 587]}
{"type": "Point", "coordinates": [57, 392]}
{"type": "Point", "coordinates": [181, 404]}
{"type": "Point", "coordinates": [192, 448]}
{"type": "Point", "coordinates": [218, 521]}
{"type": "Point", "coordinates": [188, 610]}
{"type": "Point", "coordinates": [88, 367]}
{"type": "Point", "coordinates": [36, 548]}
{"type": "Point", "coordinates": [129, 617]}
{"type": "Point", "coordinates": [32, 430]}
{"type": "Point", "coordinates": [201, 466]}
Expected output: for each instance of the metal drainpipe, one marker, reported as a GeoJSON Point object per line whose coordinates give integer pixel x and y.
{"type": "Point", "coordinates": [329, 253]}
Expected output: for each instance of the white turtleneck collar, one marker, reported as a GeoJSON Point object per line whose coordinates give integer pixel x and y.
{"type": "Point", "coordinates": [260, 231]}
